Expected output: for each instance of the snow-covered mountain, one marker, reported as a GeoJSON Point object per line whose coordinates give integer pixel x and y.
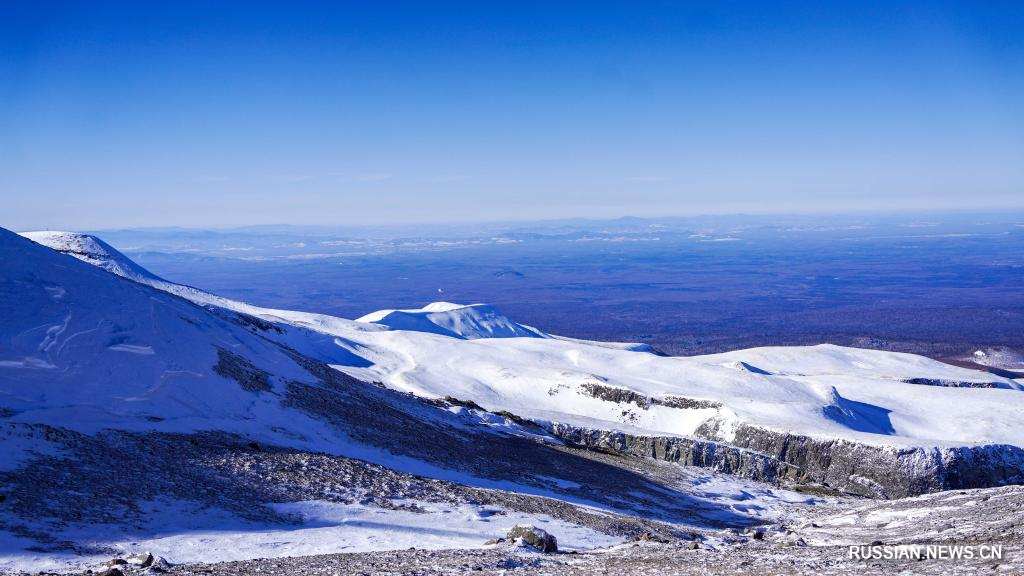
{"type": "Point", "coordinates": [469, 322]}
{"type": "Point", "coordinates": [205, 428]}
{"type": "Point", "coordinates": [473, 353]}
{"type": "Point", "coordinates": [86, 350]}
{"type": "Point", "coordinates": [91, 249]}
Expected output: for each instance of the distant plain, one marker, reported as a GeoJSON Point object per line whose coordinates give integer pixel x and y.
{"type": "Point", "coordinates": [941, 285]}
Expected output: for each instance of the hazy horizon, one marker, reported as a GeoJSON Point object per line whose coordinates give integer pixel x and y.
{"type": "Point", "coordinates": [765, 218]}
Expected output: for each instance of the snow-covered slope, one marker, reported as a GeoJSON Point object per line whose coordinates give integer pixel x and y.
{"type": "Point", "coordinates": [83, 349]}
{"type": "Point", "coordinates": [826, 391]}
{"type": "Point", "coordinates": [101, 346]}
{"type": "Point", "coordinates": [91, 249]}
{"type": "Point", "coordinates": [113, 261]}
{"type": "Point", "coordinates": [469, 322]}
{"type": "Point", "coordinates": [453, 320]}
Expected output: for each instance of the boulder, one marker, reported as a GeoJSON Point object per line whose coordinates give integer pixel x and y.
{"type": "Point", "coordinates": [159, 564]}
{"type": "Point", "coordinates": [143, 560]}
{"type": "Point", "coordinates": [533, 536]}
{"type": "Point", "coordinates": [649, 537]}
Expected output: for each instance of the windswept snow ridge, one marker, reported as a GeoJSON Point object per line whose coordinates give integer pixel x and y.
{"type": "Point", "coordinates": [91, 249]}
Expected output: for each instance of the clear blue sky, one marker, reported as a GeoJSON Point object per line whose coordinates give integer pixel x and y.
{"type": "Point", "coordinates": [174, 113]}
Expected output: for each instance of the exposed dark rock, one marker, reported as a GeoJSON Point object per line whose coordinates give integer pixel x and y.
{"type": "Point", "coordinates": [464, 403]}
{"type": "Point", "coordinates": [329, 377]}
{"type": "Point", "coordinates": [257, 323]}
{"type": "Point", "coordinates": [536, 537]}
{"type": "Point", "coordinates": [688, 451]}
{"type": "Point", "coordinates": [515, 418]}
{"type": "Point", "coordinates": [885, 471]}
{"type": "Point", "coordinates": [624, 396]}
{"type": "Point", "coordinates": [844, 466]}
{"type": "Point", "coordinates": [951, 383]}
{"type": "Point", "coordinates": [253, 323]}
{"type": "Point", "coordinates": [143, 560]}
{"type": "Point", "coordinates": [649, 537]}
{"type": "Point", "coordinates": [685, 403]}
{"type": "Point", "coordinates": [241, 370]}
{"type": "Point", "coordinates": [613, 394]}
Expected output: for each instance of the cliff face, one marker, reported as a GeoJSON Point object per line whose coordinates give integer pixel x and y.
{"type": "Point", "coordinates": [849, 467]}
{"type": "Point", "coordinates": [886, 471]}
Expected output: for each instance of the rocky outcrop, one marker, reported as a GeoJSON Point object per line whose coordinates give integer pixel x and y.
{"type": "Point", "coordinates": [625, 396]}
{"type": "Point", "coordinates": [951, 383]}
{"type": "Point", "coordinates": [241, 370]}
{"type": "Point", "coordinates": [689, 451]}
{"type": "Point", "coordinates": [849, 467]}
{"type": "Point", "coordinates": [684, 403]}
{"type": "Point", "coordinates": [886, 471]}
{"type": "Point", "coordinates": [533, 536]}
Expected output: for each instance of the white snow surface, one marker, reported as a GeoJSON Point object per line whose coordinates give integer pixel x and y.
{"type": "Point", "coordinates": [74, 331]}
{"type": "Point", "coordinates": [185, 534]}
{"type": "Point", "coordinates": [468, 322]}
{"type": "Point", "coordinates": [91, 249]}
{"type": "Point", "coordinates": [83, 349]}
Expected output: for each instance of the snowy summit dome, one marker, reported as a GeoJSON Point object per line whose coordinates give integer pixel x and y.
{"type": "Point", "coordinates": [467, 322]}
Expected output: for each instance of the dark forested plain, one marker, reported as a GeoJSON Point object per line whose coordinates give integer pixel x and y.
{"type": "Point", "coordinates": [941, 285]}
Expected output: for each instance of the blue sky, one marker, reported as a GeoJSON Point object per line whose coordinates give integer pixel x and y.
{"type": "Point", "coordinates": [176, 113]}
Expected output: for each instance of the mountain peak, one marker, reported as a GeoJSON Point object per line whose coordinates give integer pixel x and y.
{"type": "Point", "coordinates": [463, 321]}
{"type": "Point", "coordinates": [91, 249]}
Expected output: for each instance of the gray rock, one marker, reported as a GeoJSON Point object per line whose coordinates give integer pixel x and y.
{"type": "Point", "coordinates": [143, 560]}
{"type": "Point", "coordinates": [159, 564]}
{"type": "Point", "coordinates": [650, 537]}
{"type": "Point", "coordinates": [536, 537]}
{"type": "Point", "coordinates": [837, 465]}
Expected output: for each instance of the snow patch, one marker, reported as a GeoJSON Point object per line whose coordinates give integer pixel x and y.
{"type": "Point", "coordinates": [182, 533]}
